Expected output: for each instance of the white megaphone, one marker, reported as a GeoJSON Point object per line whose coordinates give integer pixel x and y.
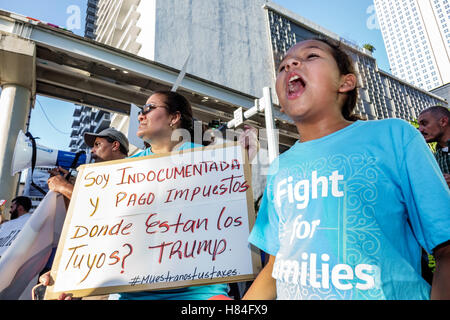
{"type": "Point", "coordinates": [45, 157]}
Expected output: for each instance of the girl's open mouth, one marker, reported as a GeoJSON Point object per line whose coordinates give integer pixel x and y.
{"type": "Point", "coordinates": [295, 86]}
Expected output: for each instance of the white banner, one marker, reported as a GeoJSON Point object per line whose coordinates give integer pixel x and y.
{"type": "Point", "coordinates": [9, 230]}
{"type": "Point", "coordinates": [27, 254]}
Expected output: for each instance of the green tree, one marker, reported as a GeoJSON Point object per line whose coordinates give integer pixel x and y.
{"type": "Point", "coordinates": [369, 47]}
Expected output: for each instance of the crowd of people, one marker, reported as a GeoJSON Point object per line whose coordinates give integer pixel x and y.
{"type": "Point", "coordinates": [346, 210]}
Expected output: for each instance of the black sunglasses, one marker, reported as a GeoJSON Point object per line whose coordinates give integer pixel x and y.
{"type": "Point", "coordinates": [149, 107]}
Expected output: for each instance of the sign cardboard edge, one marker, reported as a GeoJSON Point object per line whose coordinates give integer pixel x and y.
{"type": "Point", "coordinates": [256, 262]}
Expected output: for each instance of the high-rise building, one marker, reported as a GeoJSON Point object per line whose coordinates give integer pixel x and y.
{"type": "Point", "coordinates": [238, 44]}
{"type": "Point", "coordinates": [417, 38]}
{"type": "Point", "coordinates": [87, 119]}
{"type": "Point", "coordinates": [91, 18]}
{"type": "Point", "coordinates": [226, 40]}
{"type": "Point", "coordinates": [443, 91]}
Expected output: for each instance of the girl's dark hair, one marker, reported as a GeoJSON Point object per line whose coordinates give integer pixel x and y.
{"type": "Point", "coordinates": [178, 103]}
{"type": "Point", "coordinates": [345, 65]}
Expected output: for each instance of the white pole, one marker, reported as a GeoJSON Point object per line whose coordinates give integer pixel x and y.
{"type": "Point", "coordinates": [272, 137]}
{"type": "Point", "coordinates": [14, 108]}
{"type": "Point", "coordinates": [264, 104]}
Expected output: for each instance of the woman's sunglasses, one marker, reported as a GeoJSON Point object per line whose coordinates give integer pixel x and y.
{"type": "Point", "coordinates": [149, 107]}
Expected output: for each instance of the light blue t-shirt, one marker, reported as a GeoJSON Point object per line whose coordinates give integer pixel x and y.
{"type": "Point", "coordinates": [184, 146]}
{"type": "Point", "coordinates": [203, 292]}
{"type": "Point", "coordinates": [346, 215]}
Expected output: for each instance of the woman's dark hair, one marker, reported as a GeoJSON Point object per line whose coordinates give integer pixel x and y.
{"type": "Point", "coordinates": [178, 103]}
{"type": "Point", "coordinates": [345, 65]}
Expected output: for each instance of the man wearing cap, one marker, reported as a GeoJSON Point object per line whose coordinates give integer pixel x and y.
{"type": "Point", "coordinates": [109, 144]}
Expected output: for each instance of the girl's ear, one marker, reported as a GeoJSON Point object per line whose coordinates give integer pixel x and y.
{"type": "Point", "coordinates": [348, 83]}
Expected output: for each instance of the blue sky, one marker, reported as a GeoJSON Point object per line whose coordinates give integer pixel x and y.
{"type": "Point", "coordinates": [51, 119]}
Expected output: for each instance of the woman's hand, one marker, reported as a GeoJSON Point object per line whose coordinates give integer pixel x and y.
{"type": "Point", "coordinates": [44, 280]}
{"type": "Point", "coordinates": [249, 141]}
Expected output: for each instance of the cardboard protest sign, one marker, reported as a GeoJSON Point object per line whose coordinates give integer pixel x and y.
{"type": "Point", "coordinates": [158, 222]}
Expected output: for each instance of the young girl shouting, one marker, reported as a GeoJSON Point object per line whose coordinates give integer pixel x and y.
{"type": "Point", "coordinates": [348, 208]}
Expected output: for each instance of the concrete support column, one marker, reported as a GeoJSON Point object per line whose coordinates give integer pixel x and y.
{"type": "Point", "coordinates": [18, 83]}
{"type": "Point", "coordinates": [14, 109]}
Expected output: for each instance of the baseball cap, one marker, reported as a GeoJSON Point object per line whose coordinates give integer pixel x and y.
{"type": "Point", "coordinates": [89, 137]}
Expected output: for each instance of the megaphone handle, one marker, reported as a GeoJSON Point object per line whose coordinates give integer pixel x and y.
{"type": "Point", "coordinates": [33, 163]}
{"type": "Point", "coordinates": [74, 163]}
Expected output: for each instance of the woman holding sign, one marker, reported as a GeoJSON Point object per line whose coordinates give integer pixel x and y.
{"type": "Point", "coordinates": [163, 113]}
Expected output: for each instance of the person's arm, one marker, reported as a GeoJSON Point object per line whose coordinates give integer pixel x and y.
{"type": "Point", "coordinates": [249, 141]}
{"type": "Point", "coordinates": [264, 286]}
{"type": "Point", "coordinates": [59, 184]}
{"type": "Point", "coordinates": [440, 289]}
